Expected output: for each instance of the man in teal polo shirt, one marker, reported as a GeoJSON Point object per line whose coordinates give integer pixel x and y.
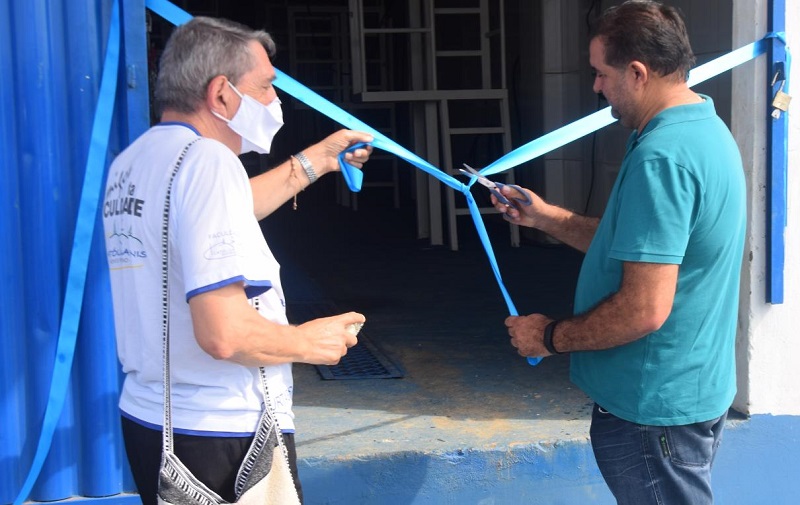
{"type": "Point", "coordinates": [652, 339]}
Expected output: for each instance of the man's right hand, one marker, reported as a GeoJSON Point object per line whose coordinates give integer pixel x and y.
{"type": "Point", "coordinates": [523, 215]}
{"type": "Point", "coordinates": [564, 225]}
{"type": "Point", "coordinates": [327, 339]}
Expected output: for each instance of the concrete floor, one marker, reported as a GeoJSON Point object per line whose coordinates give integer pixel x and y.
{"type": "Point", "coordinates": [439, 315]}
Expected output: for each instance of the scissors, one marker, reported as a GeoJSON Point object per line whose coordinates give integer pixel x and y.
{"type": "Point", "coordinates": [494, 188]}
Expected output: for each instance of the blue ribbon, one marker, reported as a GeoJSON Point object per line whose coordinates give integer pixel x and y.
{"type": "Point", "coordinates": [522, 154]}
{"type": "Point", "coordinates": [168, 11]}
{"type": "Point", "coordinates": [353, 176]}
{"type": "Point", "coordinates": [81, 243]}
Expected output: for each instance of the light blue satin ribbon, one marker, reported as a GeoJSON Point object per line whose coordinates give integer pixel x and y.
{"type": "Point", "coordinates": [593, 122]}
{"type": "Point", "coordinates": [522, 154]}
{"type": "Point", "coordinates": [353, 176]}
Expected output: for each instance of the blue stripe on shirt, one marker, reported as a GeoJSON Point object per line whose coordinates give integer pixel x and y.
{"type": "Point", "coordinates": [196, 433]}
{"type": "Point", "coordinates": [251, 288]}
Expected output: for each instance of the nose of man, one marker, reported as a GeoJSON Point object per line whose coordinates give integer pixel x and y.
{"type": "Point", "coordinates": [596, 85]}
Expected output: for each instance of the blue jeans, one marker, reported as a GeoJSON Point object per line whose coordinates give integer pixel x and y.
{"type": "Point", "coordinates": [664, 465]}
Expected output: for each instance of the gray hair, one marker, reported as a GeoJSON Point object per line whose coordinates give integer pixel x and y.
{"type": "Point", "coordinates": [198, 51]}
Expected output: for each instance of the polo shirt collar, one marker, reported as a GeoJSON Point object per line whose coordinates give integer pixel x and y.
{"type": "Point", "coordinates": [676, 114]}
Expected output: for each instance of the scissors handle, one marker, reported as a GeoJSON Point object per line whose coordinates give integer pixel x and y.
{"type": "Point", "coordinates": [524, 201]}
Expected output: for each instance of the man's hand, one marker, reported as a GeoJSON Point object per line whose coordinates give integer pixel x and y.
{"type": "Point", "coordinates": [324, 154]}
{"type": "Point", "coordinates": [526, 334]}
{"type": "Point", "coordinates": [227, 327]}
{"type": "Point", "coordinates": [274, 187]}
{"type": "Point", "coordinates": [640, 307]}
{"type": "Point", "coordinates": [523, 215]}
{"type": "Point", "coordinates": [327, 339]}
{"type": "Point", "coordinates": [570, 228]}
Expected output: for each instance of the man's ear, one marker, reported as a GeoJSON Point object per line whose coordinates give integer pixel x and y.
{"type": "Point", "coordinates": [639, 71]}
{"type": "Point", "coordinates": [216, 93]}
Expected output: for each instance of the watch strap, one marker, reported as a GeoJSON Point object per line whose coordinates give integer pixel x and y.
{"type": "Point", "coordinates": [548, 338]}
{"type": "Point", "coordinates": [308, 168]}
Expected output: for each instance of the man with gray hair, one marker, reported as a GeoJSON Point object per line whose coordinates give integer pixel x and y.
{"type": "Point", "coordinates": [652, 338]}
{"type": "Point", "coordinates": [226, 317]}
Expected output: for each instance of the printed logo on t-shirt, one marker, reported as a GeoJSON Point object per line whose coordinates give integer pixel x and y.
{"type": "Point", "coordinates": [220, 245]}
{"type": "Point", "coordinates": [283, 400]}
{"type": "Point", "coordinates": [124, 211]}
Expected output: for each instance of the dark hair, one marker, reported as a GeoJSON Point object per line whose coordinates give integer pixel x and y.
{"type": "Point", "coordinates": [645, 31]}
{"type": "Point", "coordinates": [200, 50]}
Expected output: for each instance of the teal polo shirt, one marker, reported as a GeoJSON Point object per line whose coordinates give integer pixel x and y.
{"type": "Point", "coordinates": [679, 199]}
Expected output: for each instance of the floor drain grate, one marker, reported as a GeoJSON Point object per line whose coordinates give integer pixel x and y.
{"type": "Point", "coordinates": [362, 361]}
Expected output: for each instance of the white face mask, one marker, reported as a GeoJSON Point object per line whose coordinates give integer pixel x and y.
{"type": "Point", "coordinates": [255, 122]}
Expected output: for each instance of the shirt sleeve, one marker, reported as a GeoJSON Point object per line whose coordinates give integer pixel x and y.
{"type": "Point", "coordinates": [214, 227]}
{"type": "Point", "coordinates": [658, 207]}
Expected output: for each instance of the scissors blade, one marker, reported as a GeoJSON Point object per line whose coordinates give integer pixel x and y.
{"type": "Point", "coordinates": [474, 173]}
{"type": "Point", "coordinates": [487, 183]}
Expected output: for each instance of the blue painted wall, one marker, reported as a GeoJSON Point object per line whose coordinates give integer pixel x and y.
{"type": "Point", "coordinates": [51, 53]}
{"type": "Point", "coordinates": [758, 463]}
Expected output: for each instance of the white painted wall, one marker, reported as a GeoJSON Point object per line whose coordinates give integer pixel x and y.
{"type": "Point", "coordinates": [563, 39]}
{"type": "Point", "coordinates": [768, 341]}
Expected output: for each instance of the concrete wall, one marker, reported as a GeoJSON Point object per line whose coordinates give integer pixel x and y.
{"type": "Point", "coordinates": [768, 342]}
{"type": "Point", "coordinates": [788, 402]}
{"type": "Point", "coordinates": [563, 32]}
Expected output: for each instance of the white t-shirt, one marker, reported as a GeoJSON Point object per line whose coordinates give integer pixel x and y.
{"type": "Point", "coordinates": [214, 240]}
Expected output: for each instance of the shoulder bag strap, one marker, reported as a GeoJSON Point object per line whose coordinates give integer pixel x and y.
{"type": "Point", "coordinates": [167, 428]}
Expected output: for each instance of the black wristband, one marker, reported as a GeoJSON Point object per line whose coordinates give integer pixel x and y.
{"type": "Point", "coordinates": [548, 338]}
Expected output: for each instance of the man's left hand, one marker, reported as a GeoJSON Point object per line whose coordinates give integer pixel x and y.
{"type": "Point", "coordinates": [526, 334]}
{"type": "Point", "coordinates": [325, 153]}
